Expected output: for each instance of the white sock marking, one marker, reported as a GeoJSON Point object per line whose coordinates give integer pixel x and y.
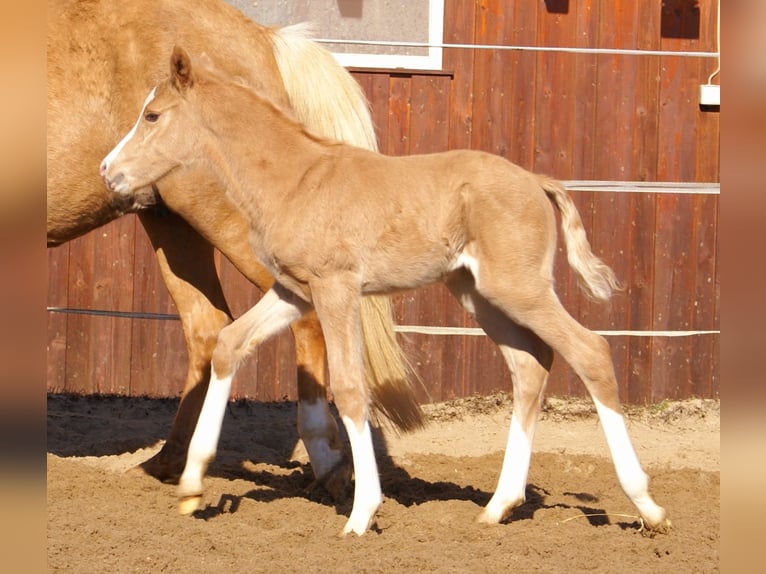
{"type": "Point", "coordinates": [204, 441]}
{"type": "Point", "coordinates": [512, 484]}
{"type": "Point", "coordinates": [367, 492]}
{"type": "Point", "coordinates": [632, 478]}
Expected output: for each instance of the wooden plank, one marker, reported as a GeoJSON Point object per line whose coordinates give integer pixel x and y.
{"type": "Point", "coordinates": [640, 290]}
{"type": "Point", "coordinates": [644, 153]}
{"type": "Point", "coordinates": [429, 114]}
{"type": "Point", "coordinates": [98, 348]}
{"type": "Point", "coordinates": [587, 146]}
{"type": "Point", "coordinates": [399, 91]}
{"type": "Point", "coordinates": [492, 81]}
{"type": "Point", "coordinates": [58, 271]}
{"type": "Point", "coordinates": [555, 96]}
{"type": "Point", "coordinates": [679, 117]}
{"type": "Point", "coordinates": [114, 268]}
{"type": "Point", "coordinates": [705, 294]}
{"type": "Point", "coordinates": [674, 296]}
{"type": "Point", "coordinates": [379, 97]}
{"type": "Point", "coordinates": [79, 327]}
{"type": "Point", "coordinates": [459, 24]}
{"type": "Point", "coordinates": [523, 70]}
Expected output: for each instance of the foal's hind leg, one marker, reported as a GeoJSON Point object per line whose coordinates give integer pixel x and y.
{"type": "Point", "coordinates": [529, 359]}
{"type": "Point", "coordinates": [272, 314]}
{"type": "Point", "coordinates": [537, 306]}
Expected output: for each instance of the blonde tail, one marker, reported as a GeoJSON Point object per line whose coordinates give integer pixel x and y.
{"type": "Point", "coordinates": [330, 102]}
{"type": "Point", "coordinates": [596, 278]}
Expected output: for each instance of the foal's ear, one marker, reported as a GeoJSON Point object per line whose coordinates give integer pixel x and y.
{"type": "Point", "coordinates": [181, 69]}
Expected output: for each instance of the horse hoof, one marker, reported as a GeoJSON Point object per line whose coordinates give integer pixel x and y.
{"type": "Point", "coordinates": [337, 480]}
{"type": "Point", "coordinates": [662, 527]}
{"type": "Point", "coordinates": [486, 518]}
{"type": "Point", "coordinates": [188, 504]}
{"type": "Point", "coordinates": [350, 529]}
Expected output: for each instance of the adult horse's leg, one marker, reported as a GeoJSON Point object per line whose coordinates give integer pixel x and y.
{"type": "Point", "coordinates": [529, 360]}
{"type": "Point", "coordinates": [188, 269]}
{"type": "Point", "coordinates": [316, 425]}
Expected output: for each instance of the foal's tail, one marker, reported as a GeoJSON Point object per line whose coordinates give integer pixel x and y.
{"type": "Point", "coordinates": [330, 102]}
{"type": "Point", "coordinates": [596, 277]}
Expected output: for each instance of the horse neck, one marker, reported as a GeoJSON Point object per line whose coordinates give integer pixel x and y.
{"type": "Point", "coordinates": [261, 155]}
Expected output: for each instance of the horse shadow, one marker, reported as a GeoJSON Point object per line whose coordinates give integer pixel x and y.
{"type": "Point", "coordinates": [254, 433]}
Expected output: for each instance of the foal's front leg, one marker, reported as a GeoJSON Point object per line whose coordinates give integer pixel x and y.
{"type": "Point", "coordinates": [273, 313]}
{"type": "Point", "coordinates": [337, 302]}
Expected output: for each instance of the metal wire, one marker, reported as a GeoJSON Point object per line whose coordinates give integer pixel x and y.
{"type": "Point", "coordinates": [564, 49]}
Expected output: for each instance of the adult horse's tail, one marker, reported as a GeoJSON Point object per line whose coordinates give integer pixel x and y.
{"type": "Point", "coordinates": [596, 277]}
{"type": "Point", "coordinates": [329, 101]}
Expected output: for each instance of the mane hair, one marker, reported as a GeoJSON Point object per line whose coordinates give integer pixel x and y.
{"type": "Point", "coordinates": [212, 75]}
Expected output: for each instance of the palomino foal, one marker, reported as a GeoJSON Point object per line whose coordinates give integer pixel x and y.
{"type": "Point", "coordinates": [482, 225]}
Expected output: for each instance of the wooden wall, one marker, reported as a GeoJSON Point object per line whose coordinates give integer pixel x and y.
{"type": "Point", "coordinates": [574, 116]}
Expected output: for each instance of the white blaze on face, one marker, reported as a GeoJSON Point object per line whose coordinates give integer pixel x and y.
{"type": "Point", "coordinates": [118, 148]}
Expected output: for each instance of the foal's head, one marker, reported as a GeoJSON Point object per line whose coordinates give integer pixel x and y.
{"type": "Point", "coordinates": [169, 130]}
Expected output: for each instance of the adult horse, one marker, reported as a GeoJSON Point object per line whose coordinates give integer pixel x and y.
{"type": "Point", "coordinates": [103, 55]}
{"type": "Point", "coordinates": [474, 221]}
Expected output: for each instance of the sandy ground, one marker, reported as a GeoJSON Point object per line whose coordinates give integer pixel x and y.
{"type": "Point", "coordinates": [262, 515]}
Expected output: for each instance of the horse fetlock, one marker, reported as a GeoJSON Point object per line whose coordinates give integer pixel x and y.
{"type": "Point", "coordinates": [360, 520]}
{"type": "Point", "coordinates": [498, 509]}
{"type": "Point", "coordinates": [655, 517]}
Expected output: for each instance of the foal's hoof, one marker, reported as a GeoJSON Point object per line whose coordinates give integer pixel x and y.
{"type": "Point", "coordinates": [355, 527]}
{"type": "Point", "coordinates": [662, 527]}
{"type": "Point", "coordinates": [495, 514]}
{"type": "Point", "coordinates": [487, 518]}
{"type": "Point", "coordinates": [188, 504]}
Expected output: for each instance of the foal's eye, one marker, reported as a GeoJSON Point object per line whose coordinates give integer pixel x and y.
{"type": "Point", "coordinates": [151, 117]}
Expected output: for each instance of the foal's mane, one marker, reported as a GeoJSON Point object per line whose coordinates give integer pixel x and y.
{"type": "Point", "coordinates": [212, 75]}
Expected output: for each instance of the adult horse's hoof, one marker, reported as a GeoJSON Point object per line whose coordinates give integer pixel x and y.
{"type": "Point", "coordinates": [337, 480]}
{"type": "Point", "coordinates": [188, 504]}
